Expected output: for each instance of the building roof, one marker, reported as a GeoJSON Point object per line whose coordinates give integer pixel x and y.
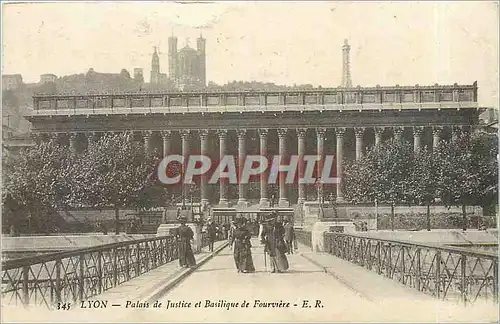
{"type": "Point", "coordinates": [187, 50]}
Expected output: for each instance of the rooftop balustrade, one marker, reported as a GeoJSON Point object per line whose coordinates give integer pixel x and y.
{"type": "Point", "coordinates": [337, 99]}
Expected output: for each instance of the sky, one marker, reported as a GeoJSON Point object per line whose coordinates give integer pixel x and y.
{"type": "Point", "coordinates": [403, 43]}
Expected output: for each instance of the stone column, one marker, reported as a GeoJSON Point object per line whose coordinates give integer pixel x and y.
{"type": "Point", "coordinates": [203, 133]}
{"type": "Point", "coordinates": [340, 131]}
{"type": "Point", "coordinates": [378, 135]}
{"type": "Point", "coordinates": [436, 136]}
{"type": "Point", "coordinates": [146, 135]}
{"type": "Point", "coordinates": [264, 201]}
{"type": "Point", "coordinates": [185, 135]}
{"type": "Point", "coordinates": [242, 195]}
{"type": "Point", "coordinates": [398, 132]}
{"type": "Point", "coordinates": [359, 132]}
{"type": "Point", "coordinates": [166, 135]}
{"type": "Point", "coordinates": [301, 143]}
{"type": "Point", "coordinates": [320, 151]}
{"type": "Point", "coordinates": [417, 137]}
{"type": "Point", "coordinates": [223, 202]}
{"type": "Point", "coordinates": [73, 137]}
{"type": "Point", "coordinates": [283, 201]}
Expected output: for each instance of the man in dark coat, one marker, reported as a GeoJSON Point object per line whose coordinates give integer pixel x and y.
{"type": "Point", "coordinates": [290, 239]}
{"type": "Point", "coordinates": [212, 234]}
{"type": "Point", "coordinates": [184, 236]}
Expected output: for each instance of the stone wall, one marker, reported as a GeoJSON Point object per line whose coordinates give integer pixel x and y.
{"type": "Point", "coordinates": [403, 215]}
{"type": "Point", "coordinates": [438, 237]}
{"type": "Point", "coordinates": [64, 242]}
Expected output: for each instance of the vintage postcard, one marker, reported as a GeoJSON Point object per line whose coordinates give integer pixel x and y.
{"type": "Point", "coordinates": [250, 161]}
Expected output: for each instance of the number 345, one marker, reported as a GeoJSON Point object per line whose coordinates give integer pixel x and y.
{"type": "Point", "coordinates": [63, 306]}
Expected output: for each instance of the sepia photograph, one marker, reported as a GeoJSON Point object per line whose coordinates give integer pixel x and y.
{"type": "Point", "coordinates": [250, 161]}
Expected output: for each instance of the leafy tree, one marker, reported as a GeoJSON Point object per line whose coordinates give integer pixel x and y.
{"type": "Point", "coordinates": [35, 184]}
{"type": "Point", "coordinates": [381, 175]}
{"type": "Point", "coordinates": [468, 171]}
{"type": "Point", "coordinates": [358, 179]}
{"type": "Point", "coordinates": [113, 172]}
{"type": "Point", "coordinates": [422, 189]}
{"type": "Point", "coordinates": [125, 74]}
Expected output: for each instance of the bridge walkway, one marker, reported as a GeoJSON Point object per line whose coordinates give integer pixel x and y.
{"type": "Point", "coordinates": [346, 293]}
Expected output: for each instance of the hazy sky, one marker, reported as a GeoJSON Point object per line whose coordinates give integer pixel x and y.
{"type": "Point", "coordinates": [403, 43]}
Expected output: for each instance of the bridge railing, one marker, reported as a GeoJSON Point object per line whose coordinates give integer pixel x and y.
{"type": "Point", "coordinates": [304, 237]}
{"type": "Point", "coordinates": [448, 273]}
{"type": "Point", "coordinates": [76, 275]}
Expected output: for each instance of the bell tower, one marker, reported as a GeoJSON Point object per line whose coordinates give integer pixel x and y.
{"type": "Point", "coordinates": [346, 69]}
{"type": "Point", "coordinates": [155, 68]}
{"type": "Point", "coordinates": [202, 64]}
{"type": "Point", "coordinates": [172, 59]}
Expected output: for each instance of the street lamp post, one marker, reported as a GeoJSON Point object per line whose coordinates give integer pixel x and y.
{"type": "Point", "coordinates": [332, 200]}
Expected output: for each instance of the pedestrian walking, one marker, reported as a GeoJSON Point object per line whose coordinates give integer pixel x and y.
{"type": "Point", "coordinates": [232, 228]}
{"type": "Point", "coordinates": [242, 248]}
{"type": "Point", "coordinates": [184, 237]}
{"type": "Point", "coordinates": [274, 244]}
{"type": "Point", "coordinates": [225, 228]}
{"type": "Point", "coordinates": [212, 234]}
{"type": "Point", "coordinates": [290, 239]}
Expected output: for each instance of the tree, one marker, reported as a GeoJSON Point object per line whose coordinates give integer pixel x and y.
{"type": "Point", "coordinates": [392, 162]}
{"type": "Point", "coordinates": [468, 171]}
{"type": "Point", "coordinates": [36, 184]}
{"type": "Point", "coordinates": [381, 175]}
{"type": "Point", "coordinates": [113, 172]}
{"type": "Point", "coordinates": [125, 74]}
{"type": "Point", "coordinates": [358, 179]}
{"type": "Point", "coordinates": [422, 189]}
{"type": "Point", "coordinates": [485, 164]}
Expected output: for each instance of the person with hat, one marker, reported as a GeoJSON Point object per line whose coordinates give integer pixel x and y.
{"type": "Point", "coordinates": [184, 236]}
{"type": "Point", "coordinates": [212, 234]}
{"type": "Point", "coordinates": [230, 238]}
{"type": "Point", "coordinates": [242, 248]}
{"type": "Point", "coordinates": [274, 244]}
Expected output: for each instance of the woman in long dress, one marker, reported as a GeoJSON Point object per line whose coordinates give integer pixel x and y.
{"type": "Point", "coordinates": [242, 248]}
{"type": "Point", "coordinates": [274, 244]}
{"type": "Point", "coordinates": [184, 236]}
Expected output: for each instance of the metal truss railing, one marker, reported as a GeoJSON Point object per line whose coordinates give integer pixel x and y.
{"type": "Point", "coordinates": [80, 274]}
{"type": "Point", "coordinates": [447, 273]}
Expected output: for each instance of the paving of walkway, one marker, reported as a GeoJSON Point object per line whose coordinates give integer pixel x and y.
{"type": "Point", "coordinates": [346, 293]}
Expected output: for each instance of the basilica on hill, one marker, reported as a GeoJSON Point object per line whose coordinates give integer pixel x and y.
{"type": "Point", "coordinates": [186, 67]}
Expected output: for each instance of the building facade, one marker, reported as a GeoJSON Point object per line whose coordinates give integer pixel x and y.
{"type": "Point", "coordinates": [11, 81]}
{"type": "Point", "coordinates": [187, 67]}
{"type": "Point", "coordinates": [343, 121]}
{"type": "Point", "coordinates": [47, 78]}
{"type": "Point", "coordinates": [339, 121]}
{"type": "Point", "coordinates": [139, 75]}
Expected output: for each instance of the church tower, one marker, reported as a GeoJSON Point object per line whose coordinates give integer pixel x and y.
{"type": "Point", "coordinates": [346, 69]}
{"type": "Point", "coordinates": [202, 63]}
{"type": "Point", "coordinates": [155, 68]}
{"type": "Point", "coordinates": [172, 59]}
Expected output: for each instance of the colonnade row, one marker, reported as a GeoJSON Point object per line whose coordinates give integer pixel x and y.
{"type": "Point", "coordinates": [283, 153]}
